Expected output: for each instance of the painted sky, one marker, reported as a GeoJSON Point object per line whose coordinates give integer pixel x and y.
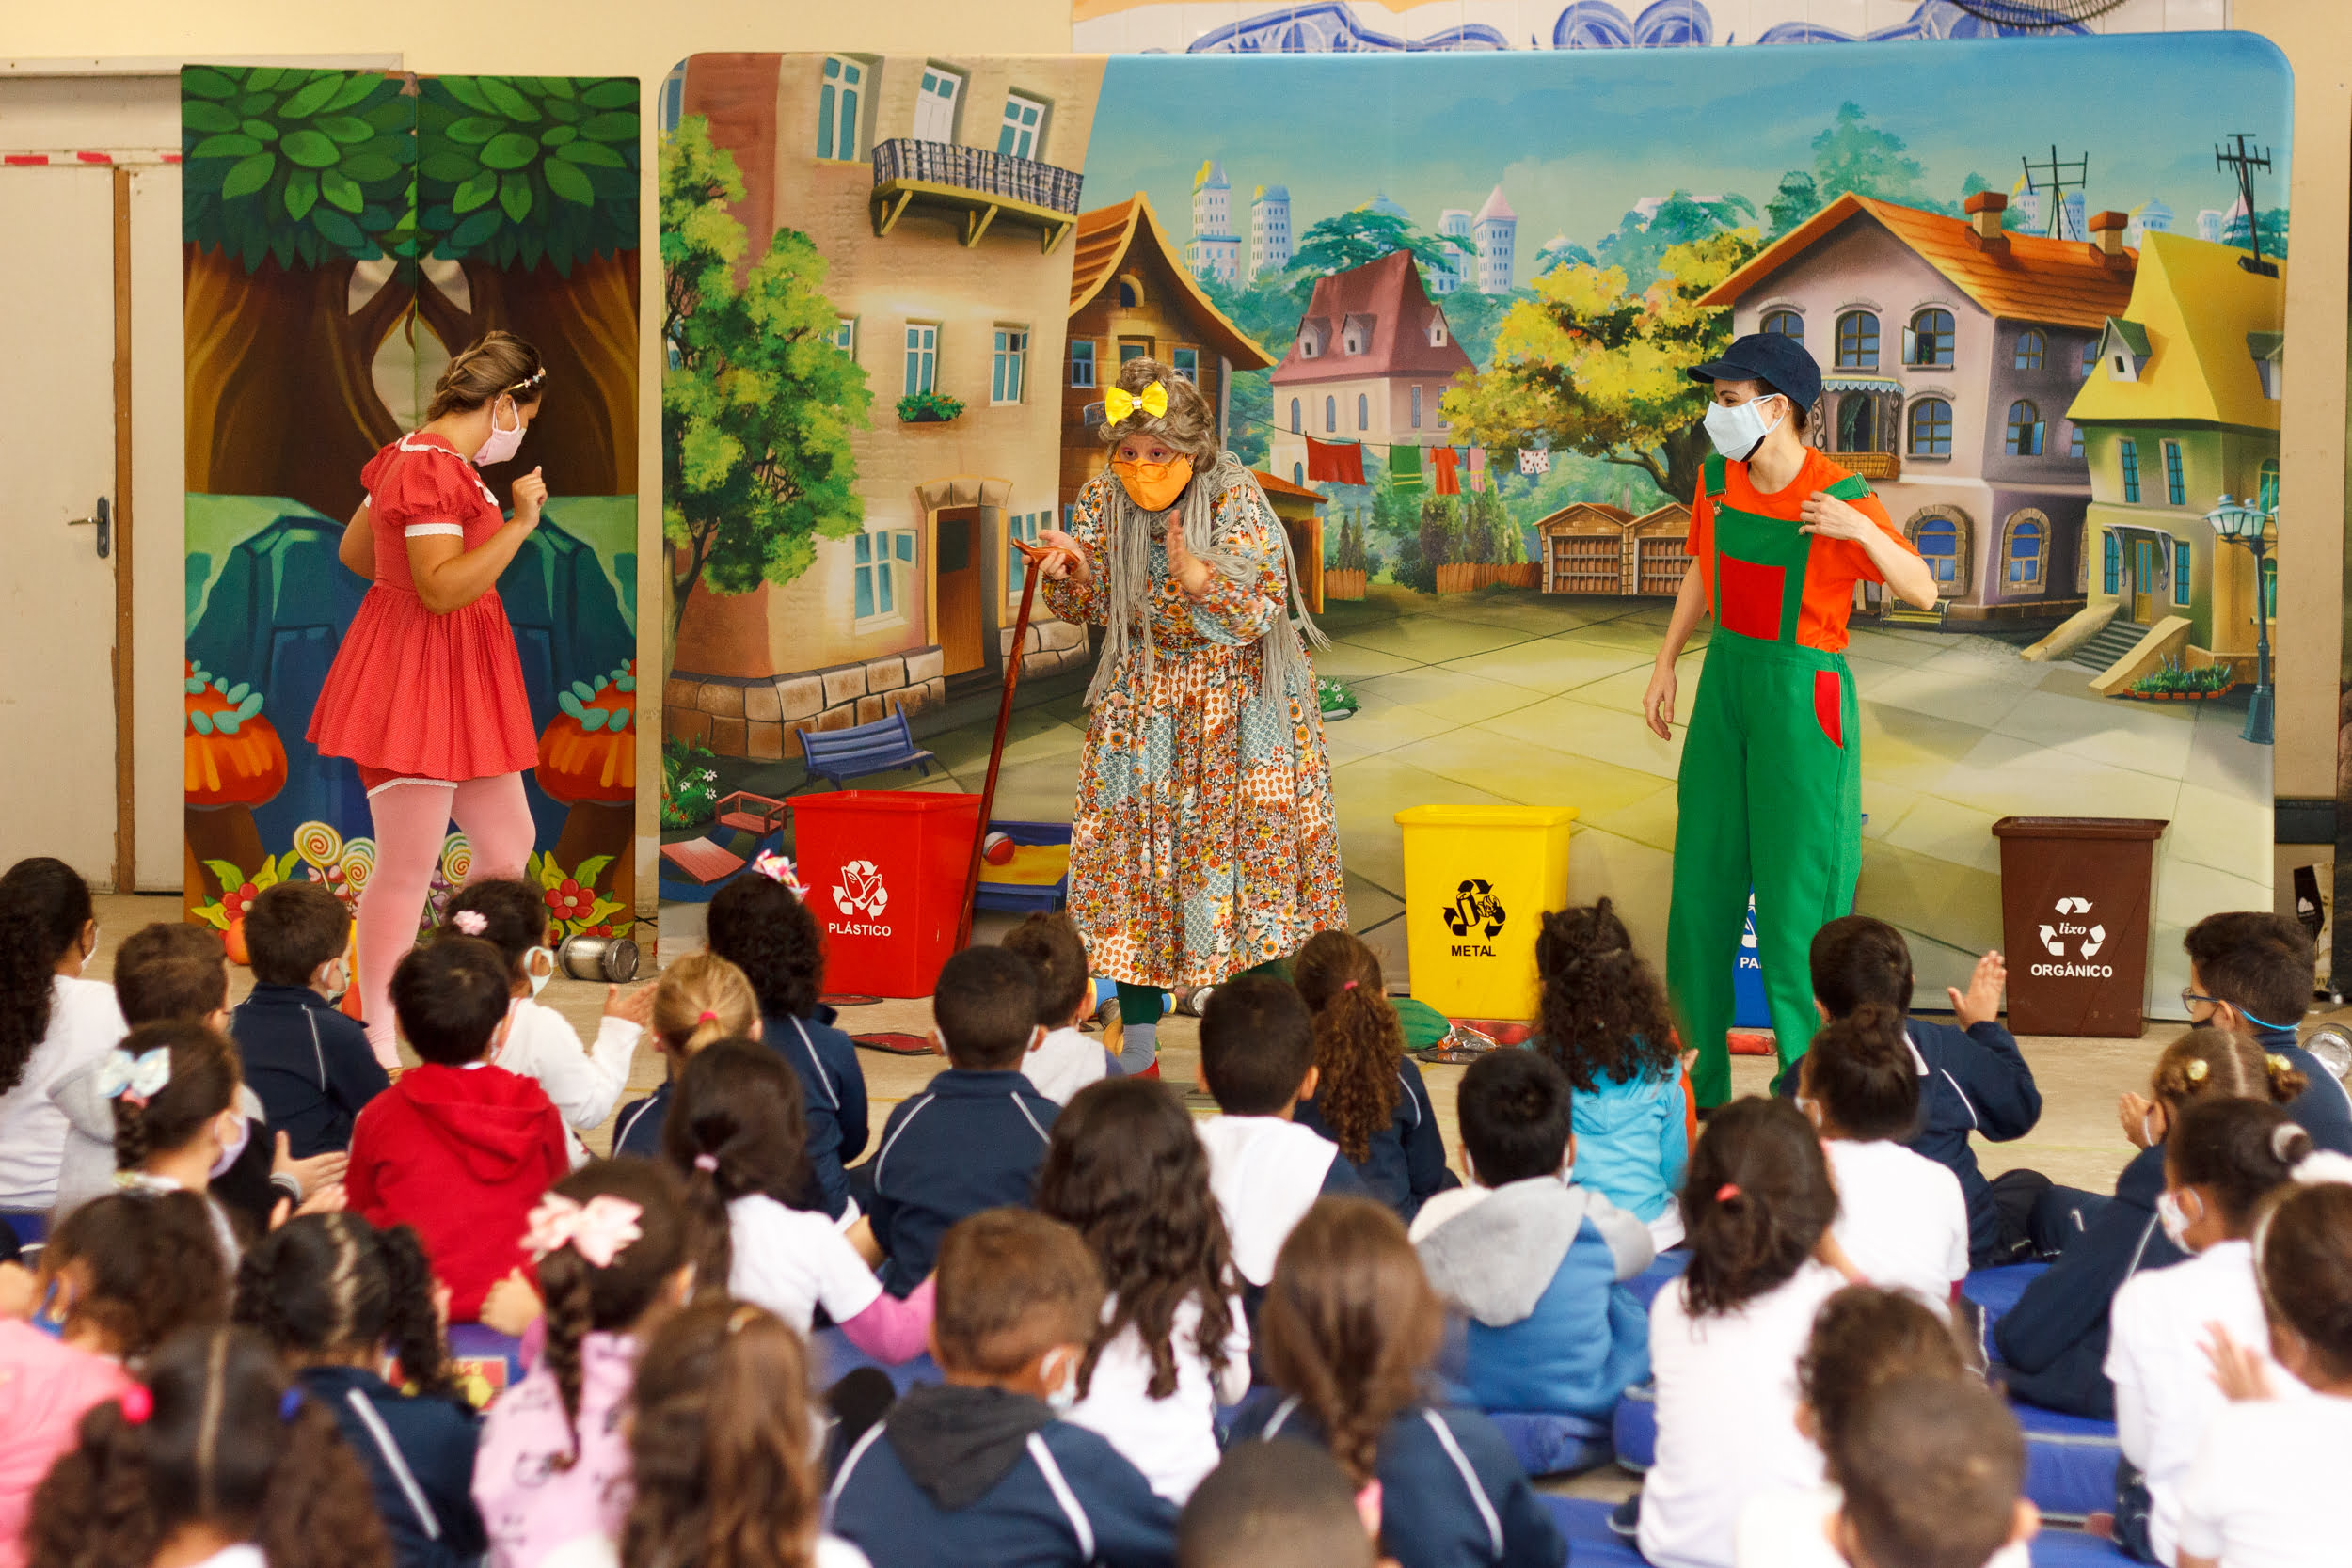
{"type": "Point", "coordinates": [1576, 137]}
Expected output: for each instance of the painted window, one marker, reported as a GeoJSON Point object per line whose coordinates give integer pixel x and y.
{"type": "Point", "coordinates": [1129, 294]}
{"type": "Point", "coordinates": [1023, 526]}
{"type": "Point", "coordinates": [1299, 473]}
{"type": "Point", "coordinates": [1436, 333]}
{"type": "Point", "coordinates": [844, 335]}
{"type": "Point", "coordinates": [935, 104]}
{"type": "Point", "coordinates": [1416, 402]}
{"type": "Point", "coordinates": [1081, 361]}
{"type": "Point", "coordinates": [1784, 323]}
{"type": "Point", "coordinates": [2127, 453]}
{"type": "Point", "coordinates": [2181, 561]}
{"type": "Point", "coordinates": [2032, 347]}
{"type": "Point", "coordinates": [1330, 414]}
{"type": "Point", "coordinates": [922, 357]}
{"type": "Point", "coordinates": [878, 589]}
{"type": "Point", "coordinates": [1186, 363]}
{"type": "Point", "coordinates": [2029, 548]}
{"type": "Point", "coordinates": [2270, 589]}
{"type": "Point", "coordinates": [1363, 411]}
{"type": "Point", "coordinates": [1939, 546]}
{"type": "Point", "coordinates": [2266, 486]}
{"type": "Point", "coordinates": [1009, 364]}
{"type": "Point", "coordinates": [2025, 428]}
{"type": "Point", "coordinates": [1135, 349]}
{"type": "Point", "coordinates": [2175, 478]}
{"type": "Point", "coordinates": [1857, 423]}
{"type": "Point", "coordinates": [1857, 341]}
{"type": "Point", "coordinates": [2074, 440]}
{"type": "Point", "coordinates": [2110, 563]}
{"type": "Point", "coordinates": [1294, 425]}
{"type": "Point", "coordinates": [2090, 360]}
{"type": "Point", "coordinates": [1929, 342]}
{"type": "Point", "coordinates": [837, 101]}
{"type": "Point", "coordinates": [1930, 428]}
{"type": "Point", "coordinates": [1023, 127]}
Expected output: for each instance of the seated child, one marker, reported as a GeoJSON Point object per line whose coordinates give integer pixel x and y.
{"type": "Point", "coordinates": [1533, 1262]}
{"type": "Point", "coordinates": [613, 1245]}
{"type": "Point", "coordinates": [120, 1276]}
{"type": "Point", "coordinates": [174, 1088]}
{"type": "Point", "coordinates": [1258, 1059]}
{"type": "Point", "coordinates": [2250, 971]}
{"type": "Point", "coordinates": [54, 1023]}
{"type": "Point", "coordinates": [734, 1137]}
{"type": "Point", "coordinates": [1724, 1340]}
{"type": "Point", "coordinates": [1602, 1019]}
{"type": "Point", "coordinates": [218, 1454]}
{"type": "Point", "coordinates": [1066, 1060]}
{"type": "Point", "coordinates": [1972, 1080]}
{"type": "Point", "coordinates": [1369, 1098]}
{"type": "Point", "coordinates": [310, 1063]}
{"type": "Point", "coordinates": [698, 999]}
{"type": "Point", "coordinates": [341, 1301]}
{"type": "Point", "coordinates": [1863, 1338]}
{"type": "Point", "coordinates": [458, 1149]}
{"type": "Point", "coordinates": [1933, 1470]}
{"type": "Point", "coordinates": [1900, 1217]}
{"type": "Point", "coordinates": [976, 1135]}
{"type": "Point", "coordinates": [759, 924]}
{"type": "Point", "coordinates": [2053, 1343]}
{"type": "Point", "coordinates": [1273, 1505]}
{"type": "Point", "coordinates": [1126, 1171]}
{"type": "Point", "coordinates": [2264, 1490]}
{"type": "Point", "coordinates": [2222, 1159]}
{"type": "Point", "coordinates": [540, 1044]}
{"type": "Point", "coordinates": [979, 1469]}
{"type": "Point", "coordinates": [1348, 1331]}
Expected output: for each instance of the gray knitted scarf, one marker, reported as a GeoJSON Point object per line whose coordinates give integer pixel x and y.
{"type": "Point", "coordinates": [1128, 546]}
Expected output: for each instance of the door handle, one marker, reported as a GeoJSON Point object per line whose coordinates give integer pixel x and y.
{"type": "Point", "coordinates": [103, 522]}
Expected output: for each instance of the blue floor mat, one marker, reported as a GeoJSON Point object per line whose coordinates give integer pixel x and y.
{"type": "Point", "coordinates": [2070, 1462]}
{"type": "Point", "coordinates": [1552, 1444]}
{"type": "Point", "coordinates": [1593, 1545]}
{"type": "Point", "coordinates": [1666, 1267]}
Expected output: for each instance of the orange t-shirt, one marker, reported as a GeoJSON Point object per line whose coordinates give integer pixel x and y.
{"type": "Point", "coordinates": [1833, 566]}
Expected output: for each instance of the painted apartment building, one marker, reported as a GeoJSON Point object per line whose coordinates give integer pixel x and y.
{"type": "Point", "coordinates": [1269, 231]}
{"type": "Point", "coordinates": [2181, 410]}
{"type": "Point", "coordinates": [1373, 358]}
{"type": "Point", "coordinates": [1494, 230]}
{"type": "Point", "coordinates": [943, 194]}
{"type": "Point", "coordinates": [1461, 268]}
{"type": "Point", "coordinates": [1949, 352]}
{"type": "Point", "coordinates": [1214, 249]}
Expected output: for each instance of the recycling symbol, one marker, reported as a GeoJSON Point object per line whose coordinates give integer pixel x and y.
{"type": "Point", "coordinates": [860, 890]}
{"type": "Point", "coordinates": [1474, 904]}
{"type": "Point", "coordinates": [2053, 937]}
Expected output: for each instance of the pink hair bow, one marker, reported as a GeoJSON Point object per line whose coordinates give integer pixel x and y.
{"type": "Point", "coordinates": [776, 868]}
{"type": "Point", "coordinates": [598, 1230]}
{"type": "Point", "coordinates": [472, 922]}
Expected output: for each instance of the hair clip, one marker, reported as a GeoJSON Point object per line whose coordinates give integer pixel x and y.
{"type": "Point", "coordinates": [289, 1404]}
{"type": "Point", "coordinates": [2196, 1070]}
{"type": "Point", "coordinates": [2276, 1062]}
{"type": "Point", "coordinates": [706, 1161]}
{"type": "Point", "coordinates": [706, 1016]}
{"type": "Point", "coordinates": [1728, 1190]}
{"type": "Point", "coordinates": [1348, 985]}
{"type": "Point", "coordinates": [137, 1079]}
{"type": "Point", "coordinates": [472, 922]}
{"type": "Point", "coordinates": [531, 380]}
{"type": "Point", "coordinates": [598, 1230]}
{"type": "Point", "coordinates": [782, 872]}
{"type": "Point", "coordinates": [137, 1404]}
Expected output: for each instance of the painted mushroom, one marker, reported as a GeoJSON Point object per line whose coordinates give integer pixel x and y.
{"type": "Point", "coordinates": [233, 762]}
{"type": "Point", "coordinates": [588, 761]}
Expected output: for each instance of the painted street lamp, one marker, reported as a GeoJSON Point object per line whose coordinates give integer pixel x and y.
{"type": "Point", "coordinates": [2241, 524]}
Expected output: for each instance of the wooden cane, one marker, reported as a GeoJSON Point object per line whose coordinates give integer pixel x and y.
{"type": "Point", "coordinates": [1036, 559]}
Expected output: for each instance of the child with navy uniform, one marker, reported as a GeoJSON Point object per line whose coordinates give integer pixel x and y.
{"type": "Point", "coordinates": [310, 1063]}
{"type": "Point", "coordinates": [974, 1137]}
{"type": "Point", "coordinates": [758, 924]}
{"type": "Point", "coordinates": [1534, 1260]}
{"type": "Point", "coordinates": [699, 1000]}
{"type": "Point", "coordinates": [980, 1469]}
{"type": "Point", "coordinates": [2250, 971]}
{"type": "Point", "coordinates": [1369, 1096]}
{"type": "Point", "coordinates": [1349, 1329]}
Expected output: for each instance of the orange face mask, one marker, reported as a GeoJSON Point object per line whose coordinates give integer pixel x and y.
{"type": "Point", "coordinates": [1155, 487]}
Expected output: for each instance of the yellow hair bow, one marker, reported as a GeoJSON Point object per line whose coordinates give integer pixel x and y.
{"type": "Point", "coordinates": [1119, 403]}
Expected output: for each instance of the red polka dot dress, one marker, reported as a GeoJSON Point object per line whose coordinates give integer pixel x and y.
{"type": "Point", "coordinates": [414, 694]}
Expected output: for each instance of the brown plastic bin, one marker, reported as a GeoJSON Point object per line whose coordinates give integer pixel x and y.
{"type": "Point", "coordinates": [2075, 892]}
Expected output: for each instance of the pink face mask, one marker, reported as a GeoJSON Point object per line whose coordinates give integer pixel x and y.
{"type": "Point", "coordinates": [503, 444]}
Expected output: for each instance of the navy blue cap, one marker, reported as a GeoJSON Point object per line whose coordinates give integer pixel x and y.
{"type": "Point", "coordinates": [1768, 357]}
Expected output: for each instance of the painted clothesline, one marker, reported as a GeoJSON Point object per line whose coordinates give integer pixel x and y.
{"type": "Point", "coordinates": [1343, 463]}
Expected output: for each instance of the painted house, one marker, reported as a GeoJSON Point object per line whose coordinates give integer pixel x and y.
{"type": "Point", "coordinates": [941, 195]}
{"type": "Point", "coordinates": [1949, 351]}
{"type": "Point", "coordinates": [1591, 547]}
{"type": "Point", "coordinates": [2181, 410]}
{"type": "Point", "coordinates": [1373, 358]}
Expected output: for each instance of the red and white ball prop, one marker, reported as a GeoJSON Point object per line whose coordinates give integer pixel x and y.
{"type": "Point", "coordinates": [996, 848]}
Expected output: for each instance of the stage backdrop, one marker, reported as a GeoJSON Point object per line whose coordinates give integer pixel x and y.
{"type": "Point", "coordinates": [1445, 305]}
{"type": "Point", "coordinates": [345, 234]}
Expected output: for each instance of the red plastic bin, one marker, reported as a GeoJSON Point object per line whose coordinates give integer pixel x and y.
{"type": "Point", "coordinates": [884, 870]}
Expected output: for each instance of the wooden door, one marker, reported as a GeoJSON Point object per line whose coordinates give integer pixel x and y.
{"type": "Point", "coordinates": [956, 563]}
{"type": "Point", "coordinates": [57, 607]}
{"type": "Point", "coordinates": [2143, 582]}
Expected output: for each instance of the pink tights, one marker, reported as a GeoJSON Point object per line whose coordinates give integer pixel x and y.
{"type": "Point", "coordinates": [411, 822]}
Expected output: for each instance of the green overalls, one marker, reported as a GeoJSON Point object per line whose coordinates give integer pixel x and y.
{"type": "Point", "coordinates": [1769, 794]}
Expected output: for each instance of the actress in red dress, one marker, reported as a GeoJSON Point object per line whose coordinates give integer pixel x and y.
{"type": "Point", "coordinates": [426, 693]}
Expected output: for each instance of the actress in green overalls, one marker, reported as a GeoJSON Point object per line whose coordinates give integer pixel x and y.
{"type": "Point", "coordinates": [1769, 792]}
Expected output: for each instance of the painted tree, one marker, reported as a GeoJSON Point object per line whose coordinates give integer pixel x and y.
{"type": "Point", "coordinates": [1638, 246]}
{"type": "Point", "coordinates": [1585, 366]}
{"type": "Point", "coordinates": [1798, 198]}
{"type": "Point", "coordinates": [1851, 154]}
{"type": "Point", "coordinates": [757, 404]}
{"type": "Point", "coordinates": [1354, 238]}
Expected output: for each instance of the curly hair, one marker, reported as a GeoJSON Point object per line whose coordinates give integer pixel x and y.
{"type": "Point", "coordinates": [718, 1444]}
{"type": "Point", "coordinates": [204, 1079]}
{"type": "Point", "coordinates": [1358, 1041]}
{"type": "Point", "coordinates": [514, 918]}
{"type": "Point", "coordinates": [1602, 1013]}
{"type": "Point", "coordinates": [1863, 1336]}
{"type": "Point", "coordinates": [2209, 1063]}
{"type": "Point", "coordinates": [1754, 1203]}
{"type": "Point", "coordinates": [735, 1128]}
{"type": "Point", "coordinates": [44, 909]}
{"type": "Point", "coordinates": [582, 1299]}
{"type": "Point", "coordinates": [146, 1265]}
{"type": "Point", "coordinates": [699, 999]}
{"type": "Point", "coordinates": [1125, 1170]}
{"type": "Point", "coordinates": [222, 1446]}
{"type": "Point", "coordinates": [1189, 426]}
{"type": "Point", "coordinates": [760, 928]}
{"type": "Point", "coordinates": [324, 1286]}
{"type": "Point", "coordinates": [1350, 1325]}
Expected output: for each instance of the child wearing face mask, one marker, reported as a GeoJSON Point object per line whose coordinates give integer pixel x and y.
{"type": "Point", "coordinates": [307, 1061]}
{"type": "Point", "coordinates": [55, 1023]}
{"type": "Point", "coordinates": [585, 1082]}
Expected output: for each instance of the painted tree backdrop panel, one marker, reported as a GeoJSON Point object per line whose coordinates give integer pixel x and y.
{"type": "Point", "coordinates": [345, 233]}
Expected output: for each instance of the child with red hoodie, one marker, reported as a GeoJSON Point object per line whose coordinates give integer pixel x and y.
{"type": "Point", "coordinates": [457, 1148]}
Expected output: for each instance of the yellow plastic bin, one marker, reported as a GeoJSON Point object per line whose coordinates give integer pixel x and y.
{"type": "Point", "coordinates": [1477, 882]}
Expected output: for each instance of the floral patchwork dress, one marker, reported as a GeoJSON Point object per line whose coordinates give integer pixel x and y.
{"type": "Point", "coordinates": [1202, 839]}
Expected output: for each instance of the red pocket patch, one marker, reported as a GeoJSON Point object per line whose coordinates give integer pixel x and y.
{"type": "Point", "coordinates": [1827, 711]}
{"type": "Point", "coordinates": [1751, 595]}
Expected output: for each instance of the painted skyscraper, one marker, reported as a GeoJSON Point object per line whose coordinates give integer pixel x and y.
{"type": "Point", "coordinates": [1214, 249]}
{"type": "Point", "coordinates": [1496, 230]}
{"type": "Point", "coordinates": [1269, 231]}
{"type": "Point", "coordinates": [1455, 224]}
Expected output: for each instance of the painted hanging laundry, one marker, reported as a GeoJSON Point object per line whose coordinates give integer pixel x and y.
{"type": "Point", "coordinates": [1335, 462]}
{"type": "Point", "coordinates": [1446, 464]}
{"type": "Point", "coordinates": [1404, 468]}
{"type": "Point", "coordinates": [1477, 469]}
{"type": "Point", "coordinates": [1535, 462]}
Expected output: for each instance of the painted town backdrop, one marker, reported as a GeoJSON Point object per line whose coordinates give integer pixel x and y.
{"type": "Point", "coordinates": [1444, 305]}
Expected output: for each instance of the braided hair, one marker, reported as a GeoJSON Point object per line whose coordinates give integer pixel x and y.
{"type": "Point", "coordinates": [489, 368]}
{"type": "Point", "coordinates": [325, 1286]}
{"type": "Point", "coordinates": [44, 909]}
{"type": "Point", "coordinates": [582, 1299]}
{"type": "Point", "coordinates": [1358, 1041]}
{"type": "Point", "coordinates": [204, 1080]}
